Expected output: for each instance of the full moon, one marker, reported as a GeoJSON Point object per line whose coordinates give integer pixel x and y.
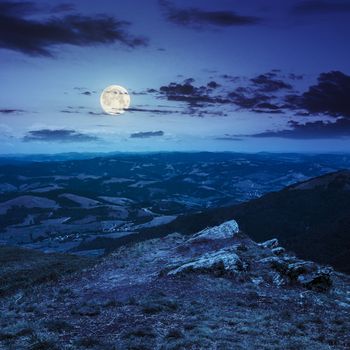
{"type": "Point", "coordinates": [115, 99]}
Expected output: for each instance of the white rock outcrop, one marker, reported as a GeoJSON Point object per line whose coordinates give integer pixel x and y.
{"type": "Point", "coordinates": [272, 243]}
{"type": "Point", "coordinates": [226, 230]}
{"type": "Point", "coordinates": [278, 251]}
{"type": "Point", "coordinates": [224, 260]}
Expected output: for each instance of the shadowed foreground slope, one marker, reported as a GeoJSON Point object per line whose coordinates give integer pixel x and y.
{"type": "Point", "coordinates": [21, 268]}
{"type": "Point", "coordinates": [214, 290]}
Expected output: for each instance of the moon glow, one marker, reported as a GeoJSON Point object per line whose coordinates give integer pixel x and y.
{"type": "Point", "coordinates": [115, 99]}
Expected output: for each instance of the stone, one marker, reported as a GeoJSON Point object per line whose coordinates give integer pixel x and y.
{"type": "Point", "coordinates": [272, 243]}
{"type": "Point", "coordinates": [224, 261]}
{"type": "Point", "coordinates": [319, 281]}
{"type": "Point", "coordinates": [278, 279]}
{"type": "Point", "coordinates": [306, 273]}
{"type": "Point", "coordinates": [224, 231]}
{"type": "Point", "coordinates": [296, 269]}
{"type": "Point", "coordinates": [278, 251]}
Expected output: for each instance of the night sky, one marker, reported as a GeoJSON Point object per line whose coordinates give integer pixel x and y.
{"type": "Point", "coordinates": [220, 75]}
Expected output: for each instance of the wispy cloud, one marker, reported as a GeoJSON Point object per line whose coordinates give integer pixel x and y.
{"type": "Point", "coordinates": [11, 111]}
{"type": "Point", "coordinates": [312, 130]}
{"type": "Point", "coordinates": [193, 95]}
{"type": "Point", "coordinates": [85, 91]}
{"type": "Point", "coordinates": [197, 18]}
{"type": "Point", "coordinates": [152, 110]}
{"type": "Point", "coordinates": [228, 137]}
{"type": "Point", "coordinates": [57, 135]}
{"type": "Point", "coordinates": [146, 134]}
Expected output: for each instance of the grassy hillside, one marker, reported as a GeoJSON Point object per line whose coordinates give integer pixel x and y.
{"type": "Point", "coordinates": [22, 268]}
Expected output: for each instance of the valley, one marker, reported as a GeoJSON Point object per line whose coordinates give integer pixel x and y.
{"type": "Point", "coordinates": [59, 205]}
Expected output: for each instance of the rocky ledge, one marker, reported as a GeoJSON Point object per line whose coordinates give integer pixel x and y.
{"type": "Point", "coordinates": [241, 258]}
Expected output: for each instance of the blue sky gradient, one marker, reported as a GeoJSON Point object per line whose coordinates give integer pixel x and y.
{"type": "Point", "coordinates": [259, 57]}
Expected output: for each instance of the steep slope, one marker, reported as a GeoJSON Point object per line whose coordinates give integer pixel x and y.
{"type": "Point", "coordinates": [339, 180]}
{"type": "Point", "coordinates": [311, 218]}
{"type": "Point", "coordinates": [214, 290]}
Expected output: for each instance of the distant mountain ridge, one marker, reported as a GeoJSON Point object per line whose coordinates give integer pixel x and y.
{"type": "Point", "coordinates": [337, 180]}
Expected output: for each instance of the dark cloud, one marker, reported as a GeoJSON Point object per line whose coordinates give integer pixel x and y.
{"type": "Point", "coordinates": [320, 6]}
{"type": "Point", "coordinates": [73, 110]}
{"type": "Point", "coordinates": [187, 92]}
{"type": "Point", "coordinates": [246, 98]}
{"type": "Point", "coordinates": [57, 135]}
{"type": "Point", "coordinates": [261, 94]}
{"type": "Point", "coordinates": [88, 93]}
{"type": "Point", "coordinates": [331, 95]}
{"type": "Point", "coordinates": [146, 134]}
{"type": "Point", "coordinates": [312, 130]}
{"type": "Point", "coordinates": [213, 85]}
{"type": "Point", "coordinates": [85, 91]}
{"type": "Point", "coordinates": [267, 107]}
{"type": "Point", "coordinates": [268, 83]}
{"type": "Point", "coordinates": [194, 17]}
{"type": "Point", "coordinates": [96, 113]}
{"type": "Point", "coordinates": [258, 93]}
{"type": "Point", "coordinates": [38, 38]}
{"type": "Point", "coordinates": [11, 111]}
{"type": "Point", "coordinates": [231, 78]}
{"type": "Point", "coordinates": [228, 137]}
{"type": "Point", "coordinates": [269, 93]}
{"type": "Point", "coordinates": [151, 110]}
